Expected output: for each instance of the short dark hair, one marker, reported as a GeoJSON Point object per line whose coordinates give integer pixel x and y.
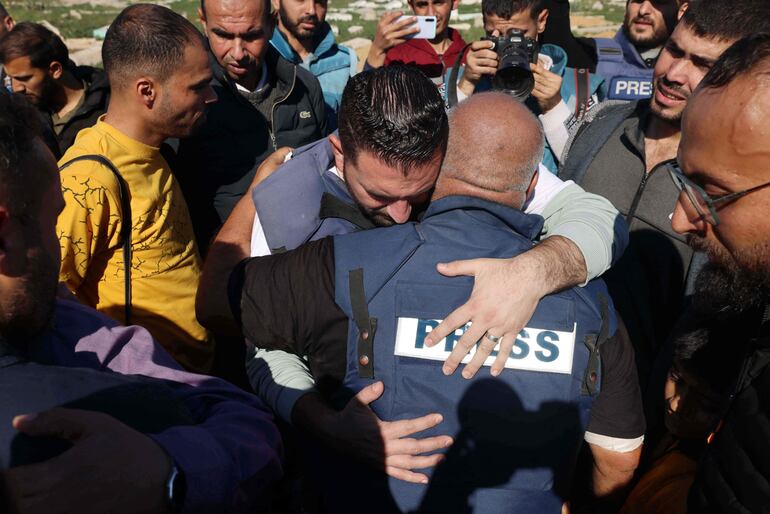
{"type": "Point", "coordinates": [728, 20]}
{"type": "Point", "coordinates": [742, 58]}
{"type": "Point", "coordinates": [19, 126]}
{"type": "Point", "coordinates": [36, 42]}
{"type": "Point", "coordinates": [506, 8]}
{"type": "Point", "coordinates": [146, 38]}
{"type": "Point", "coordinates": [394, 112]}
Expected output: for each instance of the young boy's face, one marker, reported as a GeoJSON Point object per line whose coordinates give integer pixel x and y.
{"type": "Point", "coordinates": [522, 20]}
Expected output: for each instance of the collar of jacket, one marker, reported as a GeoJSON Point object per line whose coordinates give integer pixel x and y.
{"type": "Point", "coordinates": [97, 87]}
{"type": "Point", "coordinates": [559, 57]}
{"type": "Point", "coordinates": [325, 42]}
{"type": "Point", "coordinates": [630, 53]}
{"type": "Point", "coordinates": [280, 72]}
{"type": "Point", "coordinates": [526, 225]}
{"type": "Point", "coordinates": [423, 46]}
{"type": "Point", "coordinates": [634, 133]}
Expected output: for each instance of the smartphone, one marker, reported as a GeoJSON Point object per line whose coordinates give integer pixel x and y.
{"type": "Point", "coordinates": [427, 25]}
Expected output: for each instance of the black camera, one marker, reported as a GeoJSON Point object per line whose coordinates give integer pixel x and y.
{"type": "Point", "coordinates": [515, 52]}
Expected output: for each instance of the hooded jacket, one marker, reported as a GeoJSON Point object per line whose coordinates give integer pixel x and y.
{"type": "Point", "coordinates": [332, 64]}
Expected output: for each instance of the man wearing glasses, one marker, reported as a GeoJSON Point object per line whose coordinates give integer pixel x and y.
{"type": "Point", "coordinates": [723, 175]}
{"type": "Point", "coordinates": [622, 153]}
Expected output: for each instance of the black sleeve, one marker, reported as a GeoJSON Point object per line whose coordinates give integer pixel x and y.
{"type": "Point", "coordinates": [617, 411]}
{"type": "Point", "coordinates": [286, 302]}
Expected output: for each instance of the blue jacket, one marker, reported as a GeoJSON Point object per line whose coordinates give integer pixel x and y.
{"type": "Point", "coordinates": [627, 75]}
{"type": "Point", "coordinates": [569, 90]}
{"type": "Point", "coordinates": [517, 435]}
{"type": "Point", "coordinates": [303, 201]}
{"type": "Point", "coordinates": [146, 404]}
{"type": "Point", "coordinates": [332, 65]}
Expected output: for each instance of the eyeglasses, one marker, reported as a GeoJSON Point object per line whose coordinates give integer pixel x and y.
{"type": "Point", "coordinates": [704, 205]}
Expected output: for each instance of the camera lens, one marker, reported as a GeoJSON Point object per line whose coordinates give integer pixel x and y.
{"type": "Point", "coordinates": [513, 74]}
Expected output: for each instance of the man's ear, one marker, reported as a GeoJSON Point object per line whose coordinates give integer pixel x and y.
{"type": "Point", "coordinates": [9, 23]}
{"type": "Point", "coordinates": [276, 4]}
{"type": "Point", "coordinates": [542, 20]}
{"type": "Point", "coordinates": [56, 70]}
{"type": "Point", "coordinates": [339, 158]}
{"type": "Point", "coordinates": [202, 19]}
{"type": "Point", "coordinates": [146, 91]}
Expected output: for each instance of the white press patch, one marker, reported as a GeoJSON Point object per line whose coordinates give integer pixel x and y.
{"type": "Point", "coordinates": [535, 349]}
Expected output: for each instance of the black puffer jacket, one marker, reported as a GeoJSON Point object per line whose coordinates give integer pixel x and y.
{"type": "Point", "coordinates": [216, 166]}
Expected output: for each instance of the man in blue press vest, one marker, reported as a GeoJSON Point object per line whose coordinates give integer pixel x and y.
{"type": "Point", "coordinates": [304, 38]}
{"type": "Point", "coordinates": [627, 61]}
{"type": "Point", "coordinates": [375, 173]}
{"type": "Point", "coordinates": [569, 376]}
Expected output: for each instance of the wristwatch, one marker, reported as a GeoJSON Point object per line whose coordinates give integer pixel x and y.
{"type": "Point", "coordinates": [176, 489]}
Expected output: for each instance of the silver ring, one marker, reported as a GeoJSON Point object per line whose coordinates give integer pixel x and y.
{"type": "Point", "coordinates": [494, 339]}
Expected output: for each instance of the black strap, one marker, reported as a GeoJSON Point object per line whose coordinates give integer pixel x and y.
{"type": "Point", "coordinates": [125, 222]}
{"type": "Point", "coordinates": [583, 90]}
{"type": "Point", "coordinates": [594, 342]}
{"type": "Point", "coordinates": [451, 88]}
{"type": "Point", "coordinates": [333, 207]}
{"type": "Point", "coordinates": [366, 325]}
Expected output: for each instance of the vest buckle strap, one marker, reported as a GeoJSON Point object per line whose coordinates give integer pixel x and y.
{"type": "Point", "coordinates": [367, 326]}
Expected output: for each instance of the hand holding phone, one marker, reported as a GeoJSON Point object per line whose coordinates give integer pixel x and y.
{"type": "Point", "coordinates": [426, 24]}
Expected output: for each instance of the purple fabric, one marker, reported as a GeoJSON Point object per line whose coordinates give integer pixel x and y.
{"type": "Point", "coordinates": [229, 458]}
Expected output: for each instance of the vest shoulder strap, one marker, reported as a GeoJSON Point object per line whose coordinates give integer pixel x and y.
{"type": "Point", "coordinates": [125, 222]}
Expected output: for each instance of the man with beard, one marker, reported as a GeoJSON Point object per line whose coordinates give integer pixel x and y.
{"type": "Point", "coordinates": [379, 169]}
{"type": "Point", "coordinates": [723, 170]}
{"type": "Point", "coordinates": [128, 247]}
{"type": "Point", "coordinates": [6, 25]}
{"type": "Point", "coordinates": [621, 154]}
{"type": "Point", "coordinates": [145, 436]}
{"type": "Point", "coordinates": [626, 62]}
{"type": "Point", "coordinates": [264, 102]}
{"type": "Point", "coordinates": [305, 39]}
{"type": "Point", "coordinates": [37, 61]}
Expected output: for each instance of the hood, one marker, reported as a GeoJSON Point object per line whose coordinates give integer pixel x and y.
{"type": "Point", "coordinates": [557, 55]}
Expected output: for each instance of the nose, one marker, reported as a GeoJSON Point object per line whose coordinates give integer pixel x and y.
{"type": "Point", "coordinates": [310, 8]}
{"type": "Point", "coordinates": [431, 11]}
{"type": "Point", "coordinates": [646, 8]}
{"type": "Point", "coordinates": [677, 71]}
{"type": "Point", "coordinates": [686, 219]}
{"type": "Point", "coordinates": [17, 86]}
{"type": "Point", "coordinates": [399, 211]}
{"type": "Point", "coordinates": [238, 53]}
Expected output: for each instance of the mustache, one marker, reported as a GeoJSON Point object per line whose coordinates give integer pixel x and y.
{"type": "Point", "coordinates": [307, 19]}
{"type": "Point", "coordinates": [674, 87]}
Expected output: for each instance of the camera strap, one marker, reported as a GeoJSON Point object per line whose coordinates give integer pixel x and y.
{"type": "Point", "coordinates": [583, 92]}
{"type": "Point", "coordinates": [451, 88]}
{"type": "Point", "coordinates": [125, 222]}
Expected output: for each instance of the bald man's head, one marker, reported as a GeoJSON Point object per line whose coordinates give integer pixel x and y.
{"type": "Point", "coordinates": [495, 145]}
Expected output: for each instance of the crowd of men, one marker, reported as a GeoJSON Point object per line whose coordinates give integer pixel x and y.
{"type": "Point", "coordinates": [529, 273]}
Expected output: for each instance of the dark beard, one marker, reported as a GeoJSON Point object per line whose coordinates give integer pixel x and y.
{"type": "Point", "coordinates": [725, 290]}
{"type": "Point", "coordinates": [30, 311]}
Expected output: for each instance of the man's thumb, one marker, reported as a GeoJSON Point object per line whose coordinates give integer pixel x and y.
{"type": "Point", "coordinates": [370, 393]}
{"type": "Point", "coordinates": [455, 268]}
{"type": "Point", "coordinates": [66, 424]}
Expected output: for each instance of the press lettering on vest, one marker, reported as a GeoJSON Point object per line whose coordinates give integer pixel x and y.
{"type": "Point", "coordinates": [535, 349]}
{"type": "Point", "coordinates": [629, 88]}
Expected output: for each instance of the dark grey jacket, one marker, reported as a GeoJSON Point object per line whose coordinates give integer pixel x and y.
{"type": "Point", "coordinates": [647, 284]}
{"type": "Point", "coordinates": [217, 165]}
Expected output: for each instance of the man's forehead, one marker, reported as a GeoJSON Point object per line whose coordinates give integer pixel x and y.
{"type": "Point", "coordinates": [688, 41]}
{"type": "Point", "coordinates": [520, 20]}
{"type": "Point", "coordinates": [17, 65]}
{"type": "Point", "coordinates": [740, 139]}
{"type": "Point", "coordinates": [239, 14]}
